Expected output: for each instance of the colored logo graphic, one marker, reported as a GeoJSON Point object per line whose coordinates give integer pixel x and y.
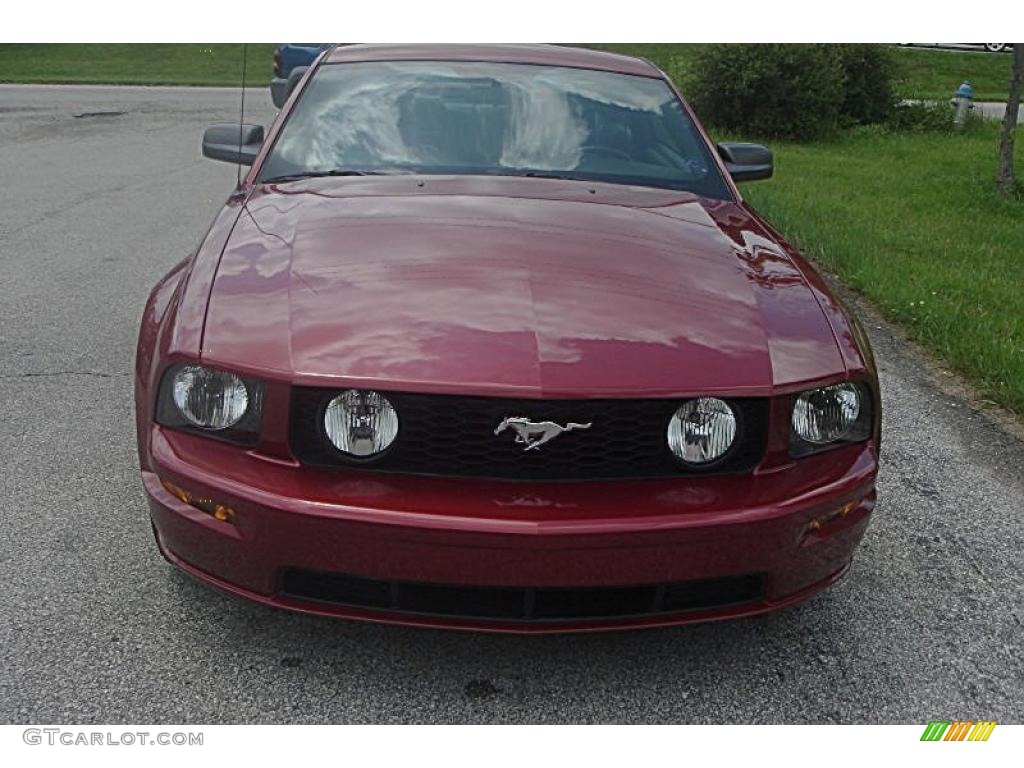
{"type": "Point", "coordinates": [958, 730]}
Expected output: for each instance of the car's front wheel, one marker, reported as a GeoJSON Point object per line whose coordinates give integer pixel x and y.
{"type": "Point", "coordinates": [996, 47]}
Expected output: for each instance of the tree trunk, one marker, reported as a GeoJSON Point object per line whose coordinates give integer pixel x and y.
{"type": "Point", "coordinates": [1005, 176]}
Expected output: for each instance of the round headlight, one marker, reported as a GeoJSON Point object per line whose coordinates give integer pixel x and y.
{"type": "Point", "coordinates": [702, 430]}
{"type": "Point", "coordinates": [361, 423]}
{"type": "Point", "coordinates": [210, 399]}
{"type": "Point", "coordinates": [826, 415]}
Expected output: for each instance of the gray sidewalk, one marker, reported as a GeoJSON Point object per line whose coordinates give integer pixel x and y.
{"type": "Point", "coordinates": [990, 110]}
{"type": "Point", "coordinates": [995, 110]}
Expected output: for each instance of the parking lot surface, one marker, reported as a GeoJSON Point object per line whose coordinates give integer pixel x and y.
{"type": "Point", "coordinates": [103, 191]}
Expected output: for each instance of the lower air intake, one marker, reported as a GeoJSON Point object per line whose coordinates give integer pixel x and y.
{"type": "Point", "coordinates": [526, 604]}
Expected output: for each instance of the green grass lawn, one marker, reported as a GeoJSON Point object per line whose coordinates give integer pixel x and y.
{"type": "Point", "coordinates": [935, 74]}
{"type": "Point", "coordinates": [149, 64]}
{"type": "Point", "coordinates": [914, 222]}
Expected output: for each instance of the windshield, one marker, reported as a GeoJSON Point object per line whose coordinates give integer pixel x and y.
{"type": "Point", "coordinates": [430, 117]}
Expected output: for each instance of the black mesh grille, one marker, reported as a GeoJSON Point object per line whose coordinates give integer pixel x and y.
{"type": "Point", "coordinates": [454, 435]}
{"type": "Point", "coordinates": [525, 604]}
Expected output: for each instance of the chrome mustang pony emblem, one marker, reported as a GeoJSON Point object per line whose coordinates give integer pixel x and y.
{"type": "Point", "coordinates": [533, 434]}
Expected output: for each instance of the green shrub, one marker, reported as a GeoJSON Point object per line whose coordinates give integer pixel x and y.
{"type": "Point", "coordinates": [800, 92]}
{"type": "Point", "coordinates": [870, 72]}
{"type": "Point", "coordinates": [770, 91]}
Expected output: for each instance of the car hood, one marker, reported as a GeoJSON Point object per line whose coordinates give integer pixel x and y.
{"type": "Point", "coordinates": [512, 286]}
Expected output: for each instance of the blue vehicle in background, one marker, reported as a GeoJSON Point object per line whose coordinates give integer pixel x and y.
{"type": "Point", "coordinates": [291, 59]}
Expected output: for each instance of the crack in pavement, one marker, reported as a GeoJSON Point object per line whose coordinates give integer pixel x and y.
{"type": "Point", "coordinates": [42, 374]}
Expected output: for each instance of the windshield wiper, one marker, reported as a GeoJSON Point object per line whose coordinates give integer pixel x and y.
{"type": "Point", "coordinates": [548, 175]}
{"type": "Point", "coordinates": [321, 174]}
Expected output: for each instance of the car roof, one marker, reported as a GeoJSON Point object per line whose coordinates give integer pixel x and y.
{"type": "Point", "coordinates": [550, 55]}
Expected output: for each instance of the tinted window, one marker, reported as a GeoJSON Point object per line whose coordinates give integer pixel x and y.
{"type": "Point", "coordinates": [502, 119]}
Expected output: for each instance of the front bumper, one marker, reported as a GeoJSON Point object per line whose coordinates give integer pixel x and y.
{"type": "Point", "coordinates": [508, 539]}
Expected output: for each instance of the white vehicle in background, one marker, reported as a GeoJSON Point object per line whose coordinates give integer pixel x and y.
{"type": "Point", "coordinates": [990, 47]}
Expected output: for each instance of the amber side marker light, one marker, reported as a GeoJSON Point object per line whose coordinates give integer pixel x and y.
{"type": "Point", "coordinates": [820, 522]}
{"type": "Point", "coordinates": [220, 512]}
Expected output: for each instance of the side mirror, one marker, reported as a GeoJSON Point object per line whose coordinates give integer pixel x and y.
{"type": "Point", "coordinates": [233, 143]}
{"type": "Point", "coordinates": [746, 162]}
{"type": "Point", "coordinates": [280, 91]}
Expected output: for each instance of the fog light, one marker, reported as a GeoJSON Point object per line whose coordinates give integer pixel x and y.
{"type": "Point", "coordinates": [702, 430]}
{"type": "Point", "coordinates": [361, 423]}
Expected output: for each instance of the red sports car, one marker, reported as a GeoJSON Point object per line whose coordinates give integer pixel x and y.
{"type": "Point", "coordinates": [487, 338]}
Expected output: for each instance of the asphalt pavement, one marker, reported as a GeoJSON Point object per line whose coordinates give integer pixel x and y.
{"type": "Point", "coordinates": [103, 190]}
